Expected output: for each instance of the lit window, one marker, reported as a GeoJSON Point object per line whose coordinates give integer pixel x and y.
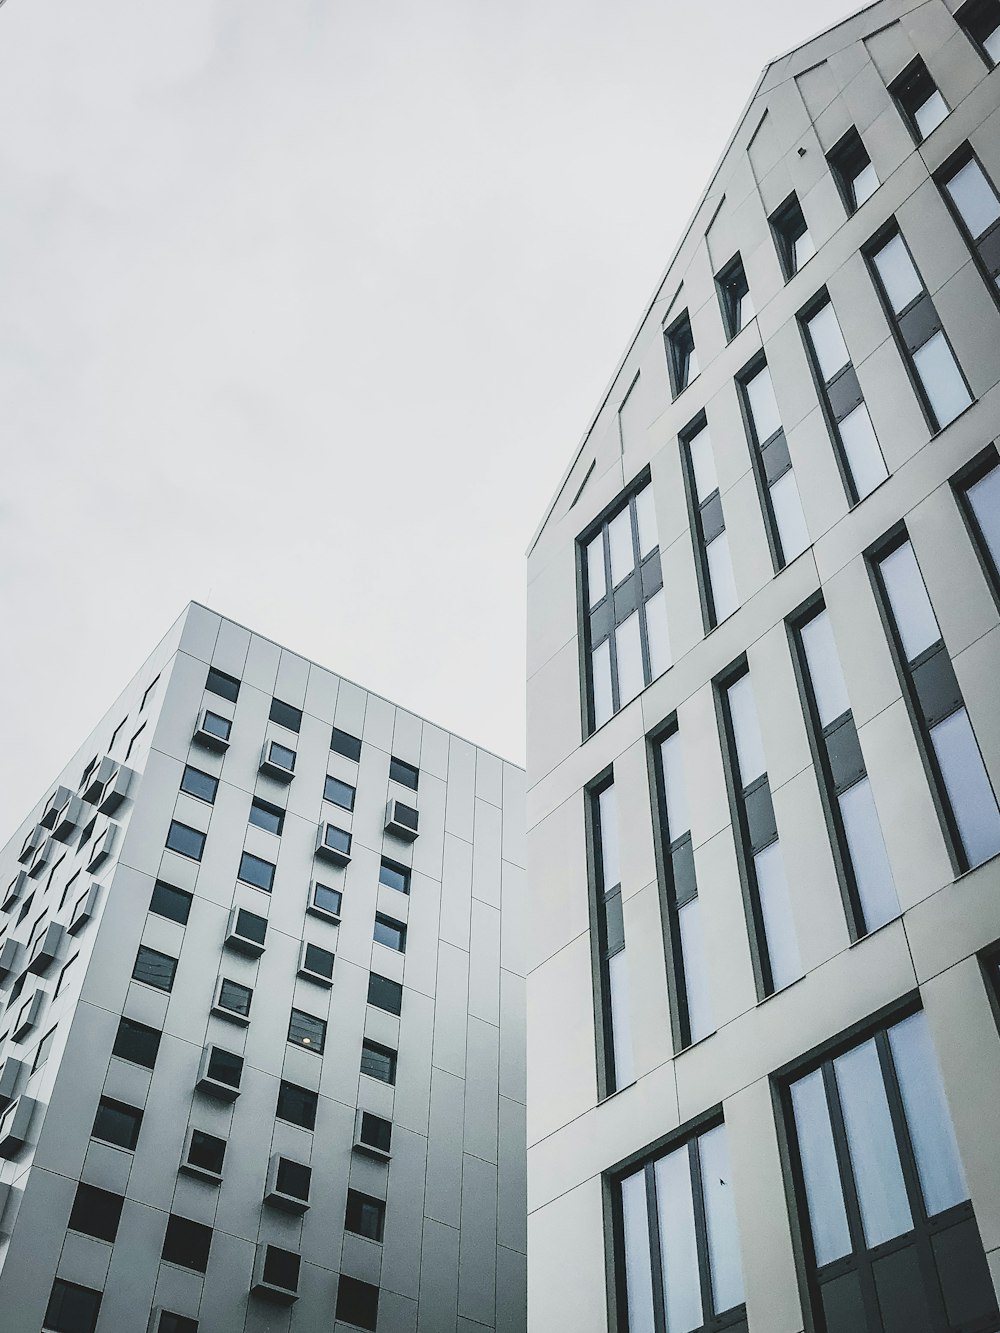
{"type": "Point", "coordinates": [307, 1030]}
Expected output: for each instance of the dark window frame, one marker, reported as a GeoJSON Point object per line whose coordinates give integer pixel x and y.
{"type": "Point", "coordinates": [402, 772]}
{"type": "Point", "coordinates": [847, 159]}
{"type": "Point", "coordinates": [223, 684]}
{"type": "Point", "coordinates": [679, 346]}
{"type": "Point", "coordinates": [285, 715]}
{"type": "Point", "coordinates": [289, 1093]}
{"type": "Point", "coordinates": [365, 1215]}
{"type": "Point", "coordinates": [339, 782]}
{"type": "Point", "coordinates": [157, 960]}
{"type": "Point", "coordinates": [394, 867]}
{"type": "Point", "coordinates": [786, 232]}
{"type": "Point", "coordinates": [244, 857]}
{"type": "Point", "coordinates": [179, 851]}
{"type": "Point", "coordinates": [275, 812]}
{"type": "Point", "coordinates": [391, 1059]}
{"type": "Point", "coordinates": [991, 236]}
{"type": "Point", "coordinates": [978, 468]}
{"type": "Point", "coordinates": [133, 1114]}
{"type": "Point", "coordinates": [162, 889]}
{"type": "Point", "coordinates": [974, 18]}
{"type": "Point", "coordinates": [733, 288]}
{"type": "Point", "coordinates": [342, 742]}
{"type": "Point", "coordinates": [185, 1236]}
{"type": "Point", "coordinates": [599, 898]}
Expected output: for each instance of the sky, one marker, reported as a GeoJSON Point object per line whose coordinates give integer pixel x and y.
{"type": "Point", "coordinates": [304, 310]}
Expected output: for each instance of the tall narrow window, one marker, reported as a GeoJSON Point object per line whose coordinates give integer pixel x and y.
{"type": "Point", "coordinates": [919, 99]}
{"type": "Point", "coordinates": [682, 356]}
{"type": "Point", "coordinates": [969, 807]}
{"type": "Point", "coordinates": [779, 493]}
{"type": "Point", "coordinates": [981, 21]}
{"type": "Point", "coordinates": [975, 204]}
{"type": "Point", "coordinates": [853, 170]}
{"type": "Point", "coordinates": [858, 453]}
{"type": "Point", "coordinates": [611, 1001]}
{"type": "Point", "coordinates": [708, 527]}
{"type": "Point", "coordinates": [679, 1240]}
{"type": "Point", "coordinates": [978, 489]}
{"type": "Point", "coordinates": [791, 237]}
{"type": "Point", "coordinates": [692, 1008]}
{"type": "Point", "coordinates": [870, 892]}
{"type": "Point", "coordinates": [882, 1197]}
{"type": "Point", "coordinates": [734, 297]}
{"type": "Point", "coordinates": [919, 334]}
{"type": "Point", "coordinates": [769, 910]}
{"type": "Point", "coordinates": [625, 608]}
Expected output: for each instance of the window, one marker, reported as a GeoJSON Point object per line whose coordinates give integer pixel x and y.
{"type": "Point", "coordinates": [185, 840]}
{"type": "Point", "coordinates": [286, 715]}
{"type": "Point", "coordinates": [131, 744]}
{"type": "Point", "coordinates": [224, 1067]}
{"type": "Point", "coordinates": [365, 1215]}
{"type": "Point", "coordinates": [257, 872]}
{"type": "Point", "coordinates": [187, 1243]}
{"type": "Point", "coordinates": [779, 493]}
{"type": "Point", "coordinates": [226, 687]}
{"type": "Point", "coordinates": [925, 348]}
{"type": "Point", "coordinates": [74, 1309]}
{"type": "Point", "coordinates": [357, 1302]}
{"type": "Point", "coordinates": [336, 839]}
{"type": "Point", "coordinates": [297, 1105]}
{"type": "Point", "coordinates": [216, 725]}
{"type": "Point", "coordinates": [855, 443]}
{"type": "Point", "coordinates": [979, 492]}
{"type": "Point", "coordinates": [394, 876]}
{"type": "Point", "coordinates": [682, 356]}
{"type": "Point", "coordinates": [249, 928]}
{"type": "Point", "coordinates": [791, 237]}
{"type": "Point", "coordinates": [346, 744]}
{"type": "Point", "coordinates": [280, 756]}
{"type": "Point", "coordinates": [136, 1043]}
{"type": "Point", "coordinates": [917, 96]}
{"type": "Point", "coordinates": [293, 1179]}
{"type": "Point", "coordinates": [614, 1035]}
{"type": "Point", "coordinates": [626, 642]}
{"type": "Point", "coordinates": [405, 774]}
{"type": "Point", "coordinates": [234, 998]}
{"type": "Point", "coordinates": [171, 902]}
{"type": "Point", "coordinates": [317, 962]}
{"type": "Point", "coordinates": [769, 911]}
{"type": "Point", "coordinates": [266, 816]}
{"type": "Point", "coordinates": [692, 1278]}
{"type": "Point", "coordinates": [340, 793]}
{"type": "Point", "coordinates": [856, 834]}
{"type": "Point", "coordinates": [281, 1268]}
{"type": "Point", "coordinates": [981, 20]}
{"type": "Point", "coordinates": [974, 201]}
{"type": "Point", "coordinates": [154, 969]}
{"type": "Point", "coordinates": [968, 805]}
{"type": "Point", "coordinates": [42, 1050]}
{"type": "Point", "coordinates": [716, 582]}
{"type": "Point", "coordinates": [378, 1062]}
{"type": "Point", "coordinates": [375, 1131]}
{"type": "Point", "coordinates": [881, 1194]}
{"type": "Point", "coordinates": [390, 932]}
{"type": "Point", "coordinates": [734, 297]}
{"type": "Point", "coordinates": [67, 889]}
{"type": "Point", "coordinates": [385, 994]}
{"type": "Point", "coordinates": [205, 1152]}
{"type": "Point", "coordinates": [852, 170]}
{"type": "Point", "coordinates": [176, 1323]}
{"type": "Point", "coordinates": [117, 1123]}
{"type": "Point", "coordinates": [307, 1030]}
{"type": "Point", "coordinates": [326, 901]}
{"type": "Point", "coordinates": [197, 783]}
{"type": "Point", "coordinates": [96, 1212]}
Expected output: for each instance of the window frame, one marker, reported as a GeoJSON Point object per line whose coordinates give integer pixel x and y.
{"type": "Point", "coordinates": [783, 223]}
{"type": "Point", "coordinates": [948, 170]}
{"type": "Point", "coordinates": [850, 147]}
{"type": "Point", "coordinates": [733, 276]}
{"type": "Point", "coordinates": [976, 470]}
{"type": "Point", "coordinates": [680, 349]}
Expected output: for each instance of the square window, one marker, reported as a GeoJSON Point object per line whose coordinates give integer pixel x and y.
{"type": "Point", "coordinates": [308, 1031]}
{"type": "Point", "coordinates": [136, 1043]}
{"type": "Point", "coordinates": [42, 1050]}
{"type": "Point", "coordinates": [171, 902]}
{"type": "Point", "coordinates": [317, 961]}
{"type": "Point", "coordinates": [297, 1105]}
{"type": "Point", "coordinates": [357, 1302]}
{"type": "Point", "coordinates": [918, 98]}
{"type": "Point", "coordinates": [293, 1178]}
{"type": "Point", "coordinates": [187, 1243]}
{"type": "Point", "coordinates": [405, 774]}
{"type": "Point", "coordinates": [224, 1067]}
{"type": "Point", "coordinates": [225, 686]}
{"type": "Point", "coordinates": [234, 998]}
{"type": "Point", "coordinates": [326, 901]}
{"type": "Point", "coordinates": [394, 876]}
{"type": "Point", "coordinates": [216, 725]}
{"type": "Point", "coordinates": [185, 840]}
{"type": "Point", "coordinates": [378, 1062]}
{"type": "Point", "coordinates": [255, 871]}
{"type": "Point", "coordinates": [280, 756]}
{"type": "Point", "coordinates": [346, 744]}
{"type": "Point", "coordinates": [376, 1132]}
{"type": "Point", "coordinates": [205, 1152]}
{"type": "Point", "coordinates": [385, 994]}
{"type": "Point", "coordinates": [334, 839]}
{"type": "Point", "coordinates": [131, 744]}
{"type": "Point", "coordinates": [199, 784]}
{"type": "Point", "coordinates": [73, 1309]}
{"type": "Point", "coordinates": [154, 969]}
{"type": "Point", "coordinates": [365, 1215]}
{"type": "Point", "coordinates": [281, 1268]}
{"type": "Point", "coordinates": [286, 715]}
{"type": "Point", "coordinates": [981, 20]}
{"type": "Point", "coordinates": [390, 932]}
{"type": "Point", "coordinates": [96, 1212]}
{"type": "Point", "coordinates": [267, 816]}
{"type": "Point", "coordinates": [250, 928]}
{"type": "Point", "coordinates": [339, 793]}
{"type": "Point", "coordinates": [117, 1123]}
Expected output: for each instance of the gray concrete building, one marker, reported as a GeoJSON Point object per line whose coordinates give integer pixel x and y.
{"type": "Point", "coordinates": [764, 734]}
{"type": "Point", "coordinates": [261, 1046]}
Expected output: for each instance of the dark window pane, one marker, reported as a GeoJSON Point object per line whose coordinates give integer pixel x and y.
{"type": "Point", "coordinates": [327, 899]}
{"type": "Point", "coordinates": [346, 744]}
{"type": "Point", "coordinates": [375, 1131]}
{"type": "Point", "coordinates": [216, 725]}
{"type": "Point", "coordinates": [197, 783]}
{"type": "Point", "coordinates": [42, 1050]}
{"type": "Point", "coordinates": [337, 839]}
{"type": "Point", "coordinates": [340, 793]}
{"type": "Point", "coordinates": [255, 871]}
{"type": "Point", "coordinates": [395, 876]}
{"type": "Point", "coordinates": [357, 1302]}
{"type": "Point", "coordinates": [286, 715]}
{"type": "Point", "coordinates": [281, 1268]}
{"type": "Point", "coordinates": [297, 1105]}
{"type": "Point", "coordinates": [188, 841]}
{"type": "Point", "coordinates": [293, 1178]}
{"type": "Point", "coordinates": [251, 926]}
{"type": "Point", "coordinates": [305, 1030]}
{"type": "Point", "coordinates": [137, 1043]}
{"type": "Point", "coordinates": [407, 774]}
{"type": "Point", "coordinates": [266, 816]}
{"type": "Point", "coordinates": [234, 997]}
{"type": "Point", "coordinates": [281, 755]}
{"type": "Point", "coordinates": [389, 932]}
{"type": "Point", "coordinates": [168, 901]}
{"type": "Point", "coordinates": [227, 687]}
{"type": "Point", "coordinates": [154, 968]}
{"type": "Point", "coordinates": [378, 1062]}
{"type": "Point", "coordinates": [365, 1215]}
{"type": "Point", "coordinates": [206, 1151]}
{"type": "Point", "coordinates": [117, 1123]}
{"type": "Point", "coordinates": [73, 1309]}
{"type": "Point", "coordinates": [187, 1243]}
{"type": "Point", "coordinates": [225, 1067]}
{"type": "Point", "coordinates": [404, 814]}
{"type": "Point", "coordinates": [176, 1323]}
{"type": "Point", "coordinates": [385, 994]}
{"type": "Point", "coordinates": [96, 1212]}
{"type": "Point", "coordinates": [319, 960]}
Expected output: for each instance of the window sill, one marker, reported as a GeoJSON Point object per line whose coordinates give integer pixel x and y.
{"type": "Point", "coordinates": [784, 990]}
{"type": "Point", "coordinates": [603, 1101]}
{"type": "Point", "coordinates": [941, 429]}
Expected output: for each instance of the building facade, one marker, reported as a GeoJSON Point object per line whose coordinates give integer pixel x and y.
{"type": "Point", "coordinates": [764, 734]}
{"type": "Point", "coordinates": [262, 1052]}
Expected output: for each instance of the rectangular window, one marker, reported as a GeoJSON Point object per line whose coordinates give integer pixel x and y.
{"type": "Point", "coordinates": [682, 357]}
{"type": "Point", "coordinates": [326, 901]}
{"type": "Point", "coordinates": [734, 297]}
{"type": "Point", "coordinates": [612, 1006]}
{"type": "Point", "coordinates": [176, 1323]}
{"type": "Point", "coordinates": [74, 1309]}
{"type": "Point", "coordinates": [205, 1152]}
{"type": "Point", "coordinates": [197, 783]}
{"type": "Point", "coordinates": [394, 876]}
{"type": "Point", "coordinates": [234, 998]}
{"type": "Point", "coordinates": [769, 911]}
{"type": "Point", "coordinates": [626, 643]}
{"type": "Point", "coordinates": [171, 902]}
{"type": "Point", "coordinates": [779, 493]}
{"type": "Point", "coordinates": [339, 793]}
{"type": "Point", "coordinates": [308, 1031]}
{"type": "Point", "coordinates": [255, 871]}
{"type": "Point", "coordinates": [346, 744]}
{"type": "Point", "coordinates": [852, 170]}
{"type": "Point", "coordinates": [187, 1243]}
{"type": "Point", "coordinates": [266, 816]}
{"type": "Point", "coordinates": [716, 581]}
{"type": "Point", "coordinates": [365, 1215]}
{"type": "Point", "coordinates": [280, 757]}
{"type": "Point", "coordinates": [375, 1131]}
{"type": "Point", "coordinates": [318, 962]}
{"type": "Point", "coordinates": [856, 445]}
{"type": "Point", "coordinates": [153, 968]}
{"type": "Point", "coordinates": [357, 1302]}
{"type": "Point", "coordinates": [132, 743]}
{"type": "Point", "coordinates": [881, 1194]}
{"type": "Point", "coordinates": [675, 1223]}
{"type": "Point", "coordinates": [96, 1212]}
{"type": "Point", "coordinates": [978, 488]}
{"type": "Point", "coordinates": [136, 1043]}
{"type": "Point", "coordinates": [378, 1062]}
{"type": "Point", "coordinates": [918, 98]}
{"type": "Point", "coordinates": [293, 1179]}
{"type": "Point", "coordinates": [390, 932]}
{"type": "Point", "coordinates": [249, 928]}
{"type": "Point", "coordinates": [185, 840]}
{"type": "Point", "coordinates": [225, 1067]}
{"type": "Point", "coordinates": [336, 839]}
{"type": "Point", "coordinates": [215, 725]}
{"type": "Point", "coordinates": [920, 336]}
{"type": "Point", "coordinates": [981, 21]}
{"type": "Point", "coordinates": [406, 774]}
{"type": "Point", "coordinates": [975, 204]}
{"type": "Point", "coordinates": [297, 1105]}
{"type": "Point", "coordinates": [42, 1050]}
{"type": "Point", "coordinates": [966, 800]}
{"type": "Point", "coordinates": [791, 237]}
{"type": "Point", "coordinates": [117, 1123]}
{"type": "Point", "coordinates": [286, 715]}
{"type": "Point", "coordinates": [225, 686]}
{"type": "Point", "coordinates": [865, 873]}
{"type": "Point", "coordinates": [385, 994]}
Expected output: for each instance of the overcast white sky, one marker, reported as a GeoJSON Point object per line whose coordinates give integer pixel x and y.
{"type": "Point", "coordinates": [304, 307]}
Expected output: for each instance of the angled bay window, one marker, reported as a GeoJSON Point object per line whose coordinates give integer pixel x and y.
{"type": "Point", "coordinates": [890, 1238]}
{"type": "Point", "coordinates": [716, 582]}
{"type": "Point", "coordinates": [919, 99]}
{"type": "Point", "coordinates": [865, 873]}
{"type": "Point", "coordinates": [607, 936]}
{"type": "Point", "coordinates": [920, 337]}
{"type": "Point", "coordinates": [678, 1263]}
{"type": "Point", "coordinates": [734, 297]}
{"type": "Point", "coordinates": [791, 237]}
{"type": "Point", "coordinates": [625, 637]}
{"type": "Point", "coordinates": [779, 493]}
{"type": "Point", "coordinates": [682, 356]}
{"type": "Point", "coordinates": [978, 490]}
{"type": "Point", "coordinates": [852, 169]}
{"type": "Point", "coordinates": [856, 444]}
{"type": "Point", "coordinates": [691, 1009]}
{"type": "Point", "coordinates": [774, 946]}
{"type": "Point", "coordinates": [981, 21]}
{"type": "Point", "coordinates": [951, 754]}
{"type": "Point", "coordinates": [975, 204]}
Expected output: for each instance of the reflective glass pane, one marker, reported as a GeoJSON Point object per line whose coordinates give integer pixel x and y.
{"type": "Point", "coordinates": [607, 814]}
{"type": "Point", "coordinates": [678, 1247]}
{"type": "Point", "coordinates": [629, 650]}
{"type": "Point", "coordinates": [868, 856]}
{"type": "Point", "coordinates": [984, 497]}
{"type": "Point", "coordinates": [657, 633]}
{"type": "Point", "coordinates": [803, 249]}
{"type": "Point", "coordinates": [788, 516]}
{"type": "Point", "coordinates": [620, 541]}
{"type": "Point", "coordinates": [911, 607]}
{"type": "Point", "coordinates": [974, 197]}
{"type": "Point", "coordinates": [942, 1179]}
{"type": "Point", "coordinates": [596, 581]}
{"type": "Point", "coordinates": [672, 760]}
{"type": "Point", "coordinates": [776, 909]}
{"type": "Point", "coordinates": [763, 406]}
{"type": "Point", "coordinates": [621, 1019]}
{"type": "Point", "coordinates": [942, 380]}
{"type": "Point", "coordinates": [865, 184]}
{"type": "Point", "coordinates": [930, 115]}
{"type": "Point", "coordinates": [899, 276]}
{"type": "Point", "coordinates": [972, 801]}
{"type": "Point", "coordinates": [864, 455]}
{"type": "Point", "coordinates": [824, 1195]}
{"type": "Point", "coordinates": [638, 1268]}
{"type": "Point", "coordinates": [746, 729]}
{"type": "Point", "coordinates": [885, 1211]}
{"type": "Point", "coordinates": [699, 1003]}
{"type": "Point", "coordinates": [692, 366]}
{"type": "Point", "coordinates": [601, 673]}
{"type": "Point", "coordinates": [828, 342]}
{"type": "Point", "coordinates": [720, 1220]}
{"type": "Point", "coordinates": [703, 464]}
{"type": "Point", "coordinates": [747, 311]}
{"type": "Point", "coordinates": [823, 664]}
{"type": "Point", "coordinates": [645, 513]}
{"type": "Point", "coordinates": [721, 577]}
{"type": "Point", "coordinates": [992, 46]}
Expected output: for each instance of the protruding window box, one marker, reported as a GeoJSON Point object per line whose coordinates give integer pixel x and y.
{"type": "Point", "coordinates": [27, 1017]}
{"type": "Point", "coordinates": [9, 951]}
{"type": "Point", "coordinates": [68, 818]}
{"type": "Point", "coordinates": [232, 1001]}
{"type": "Point", "coordinates": [6, 1196]}
{"type": "Point", "coordinates": [401, 820]}
{"type": "Point", "coordinates": [276, 1274]}
{"type": "Point", "coordinates": [316, 964]}
{"type": "Point", "coordinates": [53, 806]}
{"type": "Point", "coordinates": [15, 891]}
{"type": "Point", "coordinates": [372, 1135]}
{"type": "Point", "coordinates": [14, 1125]}
{"type": "Point", "coordinates": [102, 847]}
{"type": "Point", "coordinates": [84, 910]}
{"type": "Point", "coordinates": [220, 1074]}
{"type": "Point", "coordinates": [43, 858]}
{"type": "Point", "coordinates": [288, 1184]}
{"type": "Point", "coordinates": [10, 1076]}
{"type": "Point", "coordinates": [213, 731]}
{"type": "Point", "coordinates": [32, 843]}
{"type": "Point", "coordinates": [116, 791]}
{"type": "Point", "coordinates": [99, 779]}
{"type": "Point", "coordinates": [196, 1168]}
{"type": "Point", "coordinates": [246, 933]}
{"type": "Point", "coordinates": [46, 951]}
{"type": "Point", "coordinates": [324, 902]}
{"type": "Point", "coordinates": [277, 761]}
{"type": "Point", "coordinates": [333, 844]}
